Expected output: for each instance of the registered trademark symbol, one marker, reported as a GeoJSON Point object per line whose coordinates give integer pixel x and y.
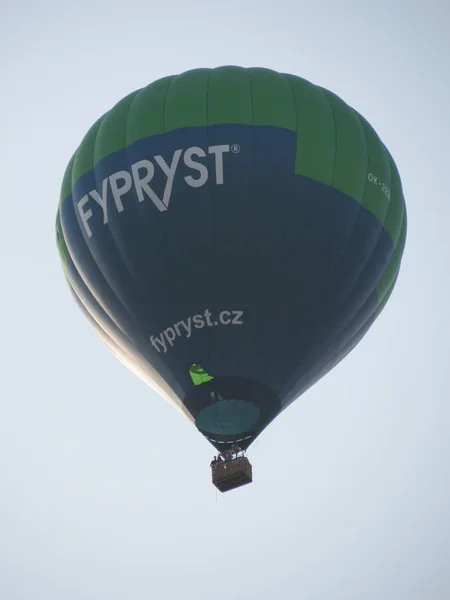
{"type": "Point", "coordinates": [235, 148]}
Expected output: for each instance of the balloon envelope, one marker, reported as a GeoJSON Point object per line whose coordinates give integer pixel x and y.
{"type": "Point", "coordinates": [231, 234]}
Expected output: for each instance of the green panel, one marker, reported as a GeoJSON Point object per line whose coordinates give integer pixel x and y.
{"type": "Point", "coordinates": [186, 100]}
{"type": "Point", "coordinates": [393, 221]}
{"type": "Point", "coordinates": [111, 133]}
{"type": "Point", "coordinates": [61, 242]}
{"type": "Point", "coordinates": [66, 187]}
{"type": "Point", "coordinates": [350, 169]}
{"type": "Point", "coordinates": [316, 135]}
{"type": "Point", "coordinates": [376, 198]}
{"type": "Point", "coordinates": [146, 113]}
{"type": "Point", "coordinates": [386, 297]}
{"type": "Point", "coordinates": [273, 101]}
{"type": "Point", "coordinates": [229, 96]}
{"type": "Point", "coordinates": [389, 276]}
{"type": "Point", "coordinates": [84, 156]}
{"type": "Point", "coordinates": [335, 145]}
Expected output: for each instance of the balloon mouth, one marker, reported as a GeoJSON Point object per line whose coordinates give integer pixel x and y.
{"type": "Point", "coordinates": [228, 417]}
{"type": "Point", "coordinates": [232, 410]}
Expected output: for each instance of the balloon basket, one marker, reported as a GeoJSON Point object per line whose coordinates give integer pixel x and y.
{"type": "Point", "coordinates": [228, 474]}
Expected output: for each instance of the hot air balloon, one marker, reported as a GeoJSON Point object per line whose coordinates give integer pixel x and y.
{"type": "Point", "coordinates": [231, 234]}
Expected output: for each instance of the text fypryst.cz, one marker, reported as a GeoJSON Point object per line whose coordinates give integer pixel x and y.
{"type": "Point", "coordinates": [185, 328]}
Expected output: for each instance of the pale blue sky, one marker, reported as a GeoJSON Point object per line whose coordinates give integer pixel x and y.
{"type": "Point", "coordinates": [351, 493]}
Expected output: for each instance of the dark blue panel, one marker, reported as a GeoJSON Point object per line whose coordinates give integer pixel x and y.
{"type": "Point", "coordinates": [297, 262]}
